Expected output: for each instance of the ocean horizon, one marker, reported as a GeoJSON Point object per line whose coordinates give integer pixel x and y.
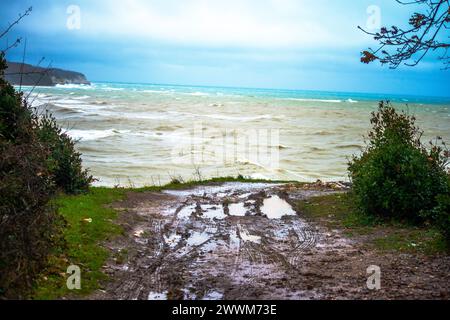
{"type": "Point", "coordinates": [145, 134]}
{"type": "Point", "coordinates": [378, 96]}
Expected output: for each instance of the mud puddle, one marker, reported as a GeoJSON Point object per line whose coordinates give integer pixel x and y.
{"type": "Point", "coordinates": [235, 240]}
{"type": "Point", "coordinates": [231, 241]}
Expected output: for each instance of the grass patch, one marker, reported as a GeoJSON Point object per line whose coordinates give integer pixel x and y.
{"type": "Point", "coordinates": [178, 184]}
{"type": "Point", "coordinates": [428, 241]}
{"type": "Point", "coordinates": [338, 211]}
{"type": "Point", "coordinates": [83, 237]}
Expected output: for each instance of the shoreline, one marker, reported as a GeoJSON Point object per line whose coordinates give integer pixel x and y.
{"type": "Point", "coordinates": [146, 133]}
{"type": "Point", "coordinates": [176, 184]}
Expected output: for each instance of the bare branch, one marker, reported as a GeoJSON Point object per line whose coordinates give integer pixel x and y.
{"type": "Point", "coordinates": [399, 46]}
{"type": "Point", "coordinates": [21, 16]}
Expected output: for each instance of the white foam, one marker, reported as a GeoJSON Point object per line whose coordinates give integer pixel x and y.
{"type": "Point", "coordinates": [73, 86]}
{"type": "Point", "coordinates": [80, 97]}
{"type": "Point", "coordinates": [89, 135]}
{"type": "Point", "coordinates": [239, 118]}
{"type": "Point", "coordinates": [314, 100]}
{"type": "Point", "coordinates": [199, 94]}
{"type": "Point", "coordinates": [66, 101]}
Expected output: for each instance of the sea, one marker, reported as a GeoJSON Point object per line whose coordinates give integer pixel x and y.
{"type": "Point", "coordinates": [146, 134]}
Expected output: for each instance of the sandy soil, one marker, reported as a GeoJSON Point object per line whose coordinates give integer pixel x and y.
{"type": "Point", "coordinates": [245, 241]}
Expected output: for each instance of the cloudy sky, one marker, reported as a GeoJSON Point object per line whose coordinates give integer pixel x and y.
{"type": "Point", "coordinates": [292, 44]}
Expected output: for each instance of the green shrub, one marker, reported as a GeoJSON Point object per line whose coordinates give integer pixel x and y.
{"type": "Point", "coordinates": [29, 226]}
{"type": "Point", "coordinates": [396, 176]}
{"type": "Point", "coordinates": [16, 120]}
{"type": "Point", "coordinates": [65, 162]}
{"type": "Point", "coordinates": [440, 215]}
{"type": "Point", "coordinates": [36, 159]}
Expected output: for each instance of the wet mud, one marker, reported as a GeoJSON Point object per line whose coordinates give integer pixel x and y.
{"type": "Point", "coordinates": [247, 241]}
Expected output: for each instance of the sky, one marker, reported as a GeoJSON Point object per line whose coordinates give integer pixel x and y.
{"type": "Point", "coordinates": [289, 44]}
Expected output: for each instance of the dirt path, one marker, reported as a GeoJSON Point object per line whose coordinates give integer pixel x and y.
{"type": "Point", "coordinates": [245, 241]}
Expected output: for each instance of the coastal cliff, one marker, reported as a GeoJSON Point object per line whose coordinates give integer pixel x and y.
{"type": "Point", "coordinates": [32, 75]}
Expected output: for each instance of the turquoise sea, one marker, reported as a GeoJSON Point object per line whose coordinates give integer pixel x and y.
{"type": "Point", "coordinates": [142, 134]}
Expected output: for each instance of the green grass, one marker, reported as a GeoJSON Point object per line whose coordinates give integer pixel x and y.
{"type": "Point", "coordinates": [83, 242]}
{"type": "Point", "coordinates": [428, 241]}
{"type": "Point", "coordinates": [180, 185]}
{"type": "Point", "coordinates": [337, 211]}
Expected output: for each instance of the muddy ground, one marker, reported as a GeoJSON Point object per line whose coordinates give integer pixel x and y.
{"type": "Point", "coordinates": [245, 241]}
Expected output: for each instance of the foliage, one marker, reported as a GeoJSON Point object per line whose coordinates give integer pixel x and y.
{"type": "Point", "coordinates": [338, 211]}
{"type": "Point", "coordinates": [396, 176]}
{"type": "Point", "coordinates": [36, 159]}
{"type": "Point", "coordinates": [441, 215]}
{"type": "Point", "coordinates": [28, 224]}
{"type": "Point", "coordinates": [65, 161]}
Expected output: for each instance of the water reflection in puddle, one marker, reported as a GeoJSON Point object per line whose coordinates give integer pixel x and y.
{"type": "Point", "coordinates": [213, 212]}
{"type": "Point", "coordinates": [172, 240]}
{"type": "Point", "coordinates": [237, 209]}
{"type": "Point", "coordinates": [246, 236]}
{"type": "Point", "coordinates": [213, 295]}
{"type": "Point", "coordinates": [276, 208]}
{"type": "Point", "coordinates": [186, 212]}
{"type": "Point", "coordinates": [197, 238]}
{"type": "Point", "coordinates": [156, 296]}
{"type": "Point", "coordinates": [273, 207]}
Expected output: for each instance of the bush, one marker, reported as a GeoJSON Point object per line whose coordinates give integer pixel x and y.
{"type": "Point", "coordinates": [440, 215]}
{"type": "Point", "coordinates": [396, 176]}
{"type": "Point", "coordinates": [28, 224]}
{"type": "Point", "coordinates": [64, 162]}
{"type": "Point", "coordinates": [36, 159]}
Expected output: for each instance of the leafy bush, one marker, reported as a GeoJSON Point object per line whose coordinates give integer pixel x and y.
{"type": "Point", "coordinates": [440, 215]}
{"type": "Point", "coordinates": [64, 162]}
{"type": "Point", "coordinates": [36, 159]}
{"type": "Point", "coordinates": [396, 176]}
{"type": "Point", "coordinates": [28, 224]}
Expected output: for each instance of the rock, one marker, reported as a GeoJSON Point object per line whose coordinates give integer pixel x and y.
{"type": "Point", "coordinates": [37, 76]}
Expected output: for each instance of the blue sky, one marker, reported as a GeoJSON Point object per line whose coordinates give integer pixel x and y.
{"type": "Point", "coordinates": [292, 44]}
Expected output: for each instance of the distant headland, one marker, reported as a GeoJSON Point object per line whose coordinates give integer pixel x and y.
{"type": "Point", "coordinates": [29, 75]}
